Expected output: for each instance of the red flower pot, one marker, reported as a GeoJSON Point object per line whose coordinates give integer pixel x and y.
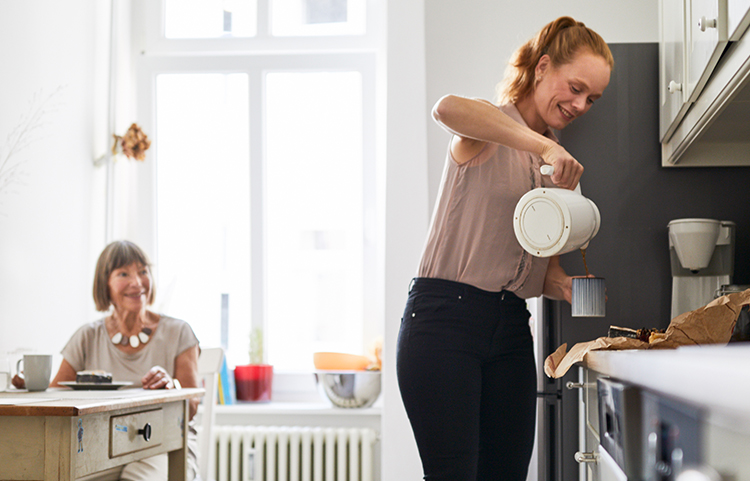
{"type": "Point", "coordinates": [253, 382]}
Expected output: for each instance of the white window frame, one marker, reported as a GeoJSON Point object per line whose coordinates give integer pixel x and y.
{"type": "Point", "coordinates": [152, 15]}
{"type": "Point", "coordinates": [257, 56]}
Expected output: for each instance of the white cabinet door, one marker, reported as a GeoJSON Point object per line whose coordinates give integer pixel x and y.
{"type": "Point", "coordinates": [671, 66]}
{"type": "Point", "coordinates": [738, 18]}
{"type": "Point", "coordinates": [707, 35]}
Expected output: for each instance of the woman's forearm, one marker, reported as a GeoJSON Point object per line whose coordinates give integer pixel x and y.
{"type": "Point", "coordinates": [557, 284]}
{"type": "Point", "coordinates": [475, 122]}
{"type": "Point", "coordinates": [480, 120]}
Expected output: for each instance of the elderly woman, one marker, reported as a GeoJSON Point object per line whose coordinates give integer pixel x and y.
{"type": "Point", "coordinates": [134, 344]}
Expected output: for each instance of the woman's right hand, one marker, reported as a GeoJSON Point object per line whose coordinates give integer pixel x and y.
{"type": "Point", "coordinates": [18, 382]}
{"type": "Point", "coordinates": [568, 170]}
{"type": "Point", "coordinates": [157, 378]}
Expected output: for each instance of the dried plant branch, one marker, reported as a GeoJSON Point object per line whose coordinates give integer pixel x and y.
{"type": "Point", "coordinates": [26, 132]}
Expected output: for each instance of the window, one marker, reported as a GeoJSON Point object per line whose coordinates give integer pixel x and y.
{"type": "Point", "coordinates": [265, 172]}
{"type": "Point", "coordinates": [314, 209]}
{"type": "Point", "coordinates": [203, 202]}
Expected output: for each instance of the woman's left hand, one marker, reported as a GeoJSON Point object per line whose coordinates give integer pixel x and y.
{"type": "Point", "coordinates": [557, 284]}
{"type": "Point", "coordinates": [157, 378]}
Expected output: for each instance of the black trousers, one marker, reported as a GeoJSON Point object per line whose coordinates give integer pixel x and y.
{"type": "Point", "coordinates": [466, 373]}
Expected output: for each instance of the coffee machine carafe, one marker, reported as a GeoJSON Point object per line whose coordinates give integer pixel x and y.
{"type": "Point", "coordinates": [701, 253]}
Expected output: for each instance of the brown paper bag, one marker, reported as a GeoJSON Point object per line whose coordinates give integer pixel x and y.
{"type": "Point", "coordinates": [710, 324]}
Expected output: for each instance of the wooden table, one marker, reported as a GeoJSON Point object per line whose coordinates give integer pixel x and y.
{"type": "Point", "coordinates": [63, 434]}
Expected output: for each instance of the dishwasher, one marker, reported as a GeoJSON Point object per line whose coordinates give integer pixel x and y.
{"type": "Point", "coordinates": [620, 431]}
{"type": "Point", "coordinates": [673, 437]}
{"type": "Point", "coordinates": [645, 436]}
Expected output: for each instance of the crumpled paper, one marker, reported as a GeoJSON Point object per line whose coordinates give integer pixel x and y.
{"type": "Point", "coordinates": [710, 324]}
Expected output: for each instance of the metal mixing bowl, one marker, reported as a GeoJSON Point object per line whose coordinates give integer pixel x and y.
{"type": "Point", "coordinates": [349, 389]}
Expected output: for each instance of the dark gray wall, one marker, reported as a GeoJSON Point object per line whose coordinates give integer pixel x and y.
{"type": "Point", "coordinates": [617, 142]}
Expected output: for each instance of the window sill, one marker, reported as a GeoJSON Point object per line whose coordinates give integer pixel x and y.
{"type": "Point", "coordinates": [297, 409]}
{"type": "Point", "coordinates": [287, 413]}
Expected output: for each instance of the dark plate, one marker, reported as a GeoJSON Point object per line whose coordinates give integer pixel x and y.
{"type": "Point", "coordinates": [95, 386]}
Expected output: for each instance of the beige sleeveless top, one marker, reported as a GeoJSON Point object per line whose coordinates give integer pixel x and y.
{"type": "Point", "coordinates": [471, 237]}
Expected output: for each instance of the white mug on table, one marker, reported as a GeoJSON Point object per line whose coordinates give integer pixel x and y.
{"type": "Point", "coordinates": [37, 371]}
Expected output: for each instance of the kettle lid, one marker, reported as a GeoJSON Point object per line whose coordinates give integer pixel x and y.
{"type": "Point", "coordinates": [541, 224]}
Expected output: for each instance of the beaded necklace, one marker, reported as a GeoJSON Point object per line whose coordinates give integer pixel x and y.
{"type": "Point", "coordinates": [134, 340]}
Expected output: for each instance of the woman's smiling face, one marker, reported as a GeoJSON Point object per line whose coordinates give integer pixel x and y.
{"type": "Point", "coordinates": [130, 287]}
{"type": "Point", "coordinates": [568, 91]}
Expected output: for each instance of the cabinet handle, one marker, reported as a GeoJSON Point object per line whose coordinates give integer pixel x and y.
{"type": "Point", "coordinates": [674, 87]}
{"type": "Point", "coordinates": [586, 457]}
{"type": "Point", "coordinates": [704, 23]}
{"type": "Point", "coordinates": [574, 385]}
{"type": "Point", "coordinates": [146, 432]}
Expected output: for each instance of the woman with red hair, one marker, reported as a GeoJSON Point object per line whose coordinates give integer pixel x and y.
{"type": "Point", "coordinates": [465, 359]}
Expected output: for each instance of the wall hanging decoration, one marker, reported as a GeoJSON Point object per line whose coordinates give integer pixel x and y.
{"type": "Point", "coordinates": [132, 145]}
{"type": "Point", "coordinates": [26, 132]}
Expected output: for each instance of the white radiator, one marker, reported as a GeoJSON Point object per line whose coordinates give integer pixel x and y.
{"type": "Point", "coordinates": [292, 453]}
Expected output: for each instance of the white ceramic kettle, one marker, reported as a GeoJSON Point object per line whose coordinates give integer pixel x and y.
{"type": "Point", "coordinates": [553, 221]}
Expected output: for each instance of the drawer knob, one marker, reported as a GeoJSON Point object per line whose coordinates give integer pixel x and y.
{"type": "Point", "coordinates": [674, 87]}
{"type": "Point", "coordinates": [704, 23]}
{"type": "Point", "coordinates": [586, 457]}
{"type": "Point", "coordinates": [146, 432]}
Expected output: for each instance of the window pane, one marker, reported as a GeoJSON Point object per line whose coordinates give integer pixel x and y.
{"type": "Point", "coordinates": [210, 18]}
{"type": "Point", "coordinates": [203, 204]}
{"type": "Point", "coordinates": [313, 216]}
{"type": "Point", "coordinates": [318, 17]}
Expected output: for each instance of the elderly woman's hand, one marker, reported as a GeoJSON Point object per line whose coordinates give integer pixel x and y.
{"type": "Point", "coordinates": [18, 382]}
{"type": "Point", "coordinates": [157, 378]}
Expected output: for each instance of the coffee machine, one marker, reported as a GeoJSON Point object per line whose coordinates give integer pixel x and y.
{"type": "Point", "coordinates": [701, 253]}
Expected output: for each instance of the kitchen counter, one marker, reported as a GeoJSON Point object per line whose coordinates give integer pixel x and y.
{"type": "Point", "coordinates": [714, 378]}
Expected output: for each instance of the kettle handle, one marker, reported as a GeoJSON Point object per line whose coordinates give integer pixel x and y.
{"type": "Point", "coordinates": [548, 169]}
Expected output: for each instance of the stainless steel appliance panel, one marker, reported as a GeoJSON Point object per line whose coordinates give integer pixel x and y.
{"type": "Point", "coordinates": [673, 435]}
{"type": "Point", "coordinates": [620, 425]}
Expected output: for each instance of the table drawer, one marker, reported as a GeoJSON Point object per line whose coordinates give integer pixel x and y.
{"type": "Point", "coordinates": [133, 432]}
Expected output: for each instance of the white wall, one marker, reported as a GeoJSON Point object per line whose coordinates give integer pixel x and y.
{"type": "Point", "coordinates": [406, 214]}
{"type": "Point", "coordinates": [46, 220]}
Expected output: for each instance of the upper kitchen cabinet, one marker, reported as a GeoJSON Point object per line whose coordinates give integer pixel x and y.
{"type": "Point", "coordinates": [704, 69]}
{"type": "Point", "coordinates": [706, 38]}
{"type": "Point", "coordinates": [672, 100]}
{"type": "Point", "coordinates": [737, 18]}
